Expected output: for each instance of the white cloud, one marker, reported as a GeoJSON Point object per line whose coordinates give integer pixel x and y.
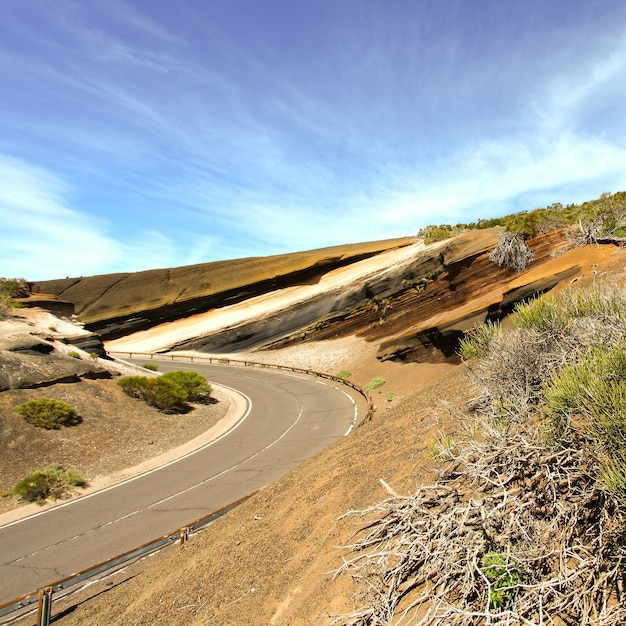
{"type": "Point", "coordinates": [43, 237]}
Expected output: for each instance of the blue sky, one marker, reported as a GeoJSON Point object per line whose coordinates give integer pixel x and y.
{"type": "Point", "coordinates": [137, 134]}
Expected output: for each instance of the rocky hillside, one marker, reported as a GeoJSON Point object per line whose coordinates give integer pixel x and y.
{"type": "Point", "coordinates": [412, 301]}
{"type": "Point", "coordinates": [116, 304]}
{"type": "Point", "coordinates": [399, 312]}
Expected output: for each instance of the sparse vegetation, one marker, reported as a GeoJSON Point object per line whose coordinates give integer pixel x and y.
{"type": "Point", "coordinates": [522, 527]}
{"type": "Point", "coordinates": [154, 367]}
{"type": "Point", "coordinates": [6, 303]}
{"type": "Point", "coordinates": [73, 354]}
{"type": "Point", "coordinates": [53, 482]}
{"type": "Point", "coordinates": [477, 342]}
{"type": "Point", "coordinates": [343, 374]}
{"type": "Point", "coordinates": [13, 287]}
{"type": "Point", "coordinates": [49, 414]}
{"type": "Point", "coordinates": [431, 234]}
{"type": "Point", "coordinates": [375, 383]}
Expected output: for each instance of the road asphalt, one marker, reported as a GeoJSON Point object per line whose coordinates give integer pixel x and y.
{"type": "Point", "coordinates": [288, 419]}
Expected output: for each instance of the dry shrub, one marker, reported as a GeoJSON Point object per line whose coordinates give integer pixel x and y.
{"type": "Point", "coordinates": [527, 523]}
{"type": "Point", "coordinates": [511, 252]}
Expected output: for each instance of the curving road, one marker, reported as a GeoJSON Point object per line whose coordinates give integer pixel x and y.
{"type": "Point", "coordinates": [289, 418]}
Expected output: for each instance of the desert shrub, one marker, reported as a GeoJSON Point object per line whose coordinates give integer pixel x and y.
{"type": "Point", "coordinates": [592, 391]}
{"type": "Point", "coordinates": [343, 374]}
{"type": "Point", "coordinates": [73, 354]}
{"type": "Point", "coordinates": [432, 234]}
{"type": "Point", "coordinates": [549, 332]}
{"type": "Point", "coordinates": [165, 395]}
{"type": "Point", "coordinates": [521, 527]}
{"type": "Point", "coordinates": [441, 447]}
{"type": "Point", "coordinates": [195, 385]}
{"type": "Point", "coordinates": [49, 414]}
{"type": "Point", "coordinates": [6, 303]}
{"type": "Point", "coordinates": [511, 252]}
{"type": "Point", "coordinates": [13, 287]}
{"type": "Point", "coordinates": [159, 392]}
{"type": "Point", "coordinates": [151, 366]}
{"type": "Point", "coordinates": [477, 342]}
{"type": "Point", "coordinates": [133, 386]}
{"type": "Point", "coordinates": [375, 383]}
{"type": "Point", "coordinates": [52, 482]}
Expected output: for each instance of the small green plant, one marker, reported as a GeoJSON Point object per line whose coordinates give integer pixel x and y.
{"type": "Point", "coordinates": [49, 414]}
{"type": "Point", "coordinates": [441, 447]}
{"type": "Point", "coordinates": [223, 361]}
{"type": "Point", "coordinates": [503, 574]}
{"type": "Point", "coordinates": [375, 383]}
{"type": "Point", "coordinates": [478, 341]}
{"type": "Point", "coordinates": [73, 354]}
{"type": "Point", "coordinates": [154, 367]}
{"type": "Point", "coordinates": [389, 396]}
{"type": "Point", "coordinates": [53, 482]}
{"type": "Point", "coordinates": [52, 328]}
{"type": "Point", "coordinates": [343, 374]}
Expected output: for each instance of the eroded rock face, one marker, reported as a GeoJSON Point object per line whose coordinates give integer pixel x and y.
{"type": "Point", "coordinates": [415, 307]}
{"type": "Point", "coordinates": [34, 359]}
{"type": "Point", "coordinates": [116, 304]}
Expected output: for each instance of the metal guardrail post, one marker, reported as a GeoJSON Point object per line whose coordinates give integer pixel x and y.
{"type": "Point", "coordinates": [44, 609]}
{"type": "Point", "coordinates": [184, 535]}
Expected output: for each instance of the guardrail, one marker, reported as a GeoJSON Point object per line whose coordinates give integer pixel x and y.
{"type": "Point", "coordinates": [156, 356]}
{"type": "Point", "coordinates": [43, 596]}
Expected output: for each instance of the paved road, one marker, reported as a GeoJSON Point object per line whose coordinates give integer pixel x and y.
{"type": "Point", "coordinates": [289, 419]}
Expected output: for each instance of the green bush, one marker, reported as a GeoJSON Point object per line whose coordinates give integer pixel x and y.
{"type": "Point", "coordinates": [169, 392]}
{"type": "Point", "coordinates": [163, 394]}
{"type": "Point", "coordinates": [594, 390]}
{"type": "Point", "coordinates": [133, 385]}
{"type": "Point", "coordinates": [73, 354]}
{"type": "Point", "coordinates": [151, 366]}
{"type": "Point", "coordinates": [49, 414]}
{"type": "Point", "coordinates": [375, 383]}
{"type": "Point", "coordinates": [343, 374]}
{"type": "Point", "coordinates": [13, 287]}
{"type": "Point", "coordinates": [51, 482]}
{"type": "Point", "coordinates": [194, 384]}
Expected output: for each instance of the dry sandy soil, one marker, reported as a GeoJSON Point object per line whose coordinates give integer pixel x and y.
{"type": "Point", "coordinates": [270, 561]}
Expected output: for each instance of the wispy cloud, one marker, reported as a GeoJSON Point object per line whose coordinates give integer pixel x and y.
{"type": "Point", "coordinates": [148, 135]}
{"type": "Point", "coordinates": [44, 237]}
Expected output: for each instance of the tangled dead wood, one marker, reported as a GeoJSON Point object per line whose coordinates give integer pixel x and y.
{"type": "Point", "coordinates": [513, 532]}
